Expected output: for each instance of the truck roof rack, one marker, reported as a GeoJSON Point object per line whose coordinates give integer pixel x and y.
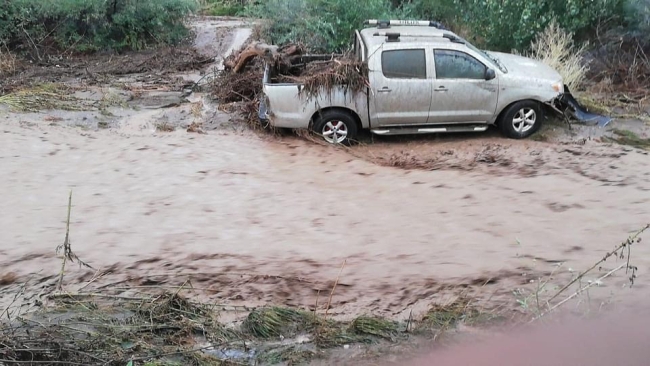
{"type": "Point", "coordinates": [395, 36]}
{"type": "Point", "coordinates": [381, 23]}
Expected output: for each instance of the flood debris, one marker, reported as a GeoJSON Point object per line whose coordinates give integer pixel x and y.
{"type": "Point", "coordinates": [165, 327]}
{"type": "Point", "coordinates": [90, 330]}
{"type": "Point", "coordinates": [43, 97]}
{"type": "Point", "coordinates": [150, 69]}
{"type": "Point", "coordinates": [240, 84]}
{"type": "Point", "coordinates": [315, 75]}
{"type": "Point", "coordinates": [276, 55]}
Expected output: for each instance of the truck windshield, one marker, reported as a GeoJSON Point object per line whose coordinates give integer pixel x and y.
{"type": "Point", "coordinates": [495, 61]}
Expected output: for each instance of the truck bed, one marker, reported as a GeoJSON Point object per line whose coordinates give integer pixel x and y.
{"type": "Point", "coordinates": [287, 107]}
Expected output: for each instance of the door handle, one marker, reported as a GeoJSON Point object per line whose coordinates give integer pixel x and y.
{"type": "Point", "coordinates": [440, 89]}
{"type": "Point", "coordinates": [385, 90]}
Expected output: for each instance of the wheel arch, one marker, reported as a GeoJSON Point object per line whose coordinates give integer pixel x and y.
{"type": "Point", "coordinates": [503, 110]}
{"type": "Point", "coordinates": [355, 116]}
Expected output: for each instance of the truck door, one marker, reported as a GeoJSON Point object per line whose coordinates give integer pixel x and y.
{"type": "Point", "coordinates": [400, 92]}
{"type": "Point", "coordinates": [461, 93]}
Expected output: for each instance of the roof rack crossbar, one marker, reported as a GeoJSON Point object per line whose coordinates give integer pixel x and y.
{"type": "Point", "coordinates": [380, 34]}
{"type": "Point", "coordinates": [398, 22]}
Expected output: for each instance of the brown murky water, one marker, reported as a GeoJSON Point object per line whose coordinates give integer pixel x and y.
{"type": "Point", "coordinates": [258, 220]}
{"type": "Point", "coordinates": [226, 203]}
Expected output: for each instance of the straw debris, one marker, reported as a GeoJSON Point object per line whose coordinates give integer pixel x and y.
{"type": "Point", "coordinates": [44, 97]}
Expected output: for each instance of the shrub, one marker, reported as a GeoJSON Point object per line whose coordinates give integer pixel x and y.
{"type": "Point", "coordinates": [89, 25]}
{"type": "Point", "coordinates": [555, 47]}
{"type": "Point", "coordinates": [323, 25]}
{"type": "Point", "coordinates": [638, 18]}
{"type": "Point", "coordinates": [512, 24]}
{"type": "Point", "coordinates": [223, 7]}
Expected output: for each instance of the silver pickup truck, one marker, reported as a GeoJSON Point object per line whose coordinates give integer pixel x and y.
{"type": "Point", "coordinates": [422, 79]}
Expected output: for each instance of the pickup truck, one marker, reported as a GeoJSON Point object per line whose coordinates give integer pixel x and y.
{"type": "Point", "coordinates": [422, 79]}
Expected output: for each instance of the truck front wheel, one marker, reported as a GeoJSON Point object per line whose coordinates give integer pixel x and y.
{"type": "Point", "coordinates": [335, 127]}
{"type": "Point", "coordinates": [521, 119]}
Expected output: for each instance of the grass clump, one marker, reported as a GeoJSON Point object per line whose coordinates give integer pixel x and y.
{"type": "Point", "coordinates": [626, 137]}
{"type": "Point", "coordinates": [374, 326]}
{"type": "Point", "coordinates": [364, 329]}
{"type": "Point", "coordinates": [276, 321]}
{"type": "Point", "coordinates": [165, 127]}
{"type": "Point", "coordinates": [288, 355]}
{"type": "Point", "coordinates": [443, 317]}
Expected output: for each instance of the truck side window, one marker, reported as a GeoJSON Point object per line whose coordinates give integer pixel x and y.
{"type": "Point", "coordinates": [404, 64]}
{"type": "Point", "coordinates": [457, 65]}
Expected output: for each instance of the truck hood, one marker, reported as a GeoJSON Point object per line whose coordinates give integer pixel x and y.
{"type": "Point", "coordinates": [526, 69]}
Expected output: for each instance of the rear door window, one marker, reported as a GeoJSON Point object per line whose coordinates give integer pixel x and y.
{"type": "Point", "coordinates": [457, 65]}
{"type": "Point", "coordinates": [404, 64]}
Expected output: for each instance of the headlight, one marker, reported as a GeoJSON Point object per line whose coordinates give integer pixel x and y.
{"type": "Point", "coordinates": [558, 87]}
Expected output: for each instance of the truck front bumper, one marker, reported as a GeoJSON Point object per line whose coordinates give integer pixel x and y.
{"type": "Point", "coordinates": [568, 106]}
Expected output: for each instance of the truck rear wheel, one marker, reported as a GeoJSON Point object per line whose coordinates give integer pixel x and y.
{"type": "Point", "coordinates": [335, 127]}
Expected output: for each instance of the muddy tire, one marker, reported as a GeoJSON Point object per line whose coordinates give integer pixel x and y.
{"type": "Point", "coordinates": [521, 119]}
{"type": "Point", "coordinates": [335, 127]}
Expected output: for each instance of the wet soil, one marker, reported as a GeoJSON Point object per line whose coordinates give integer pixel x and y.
{"type": "Point", "coordinates": [252, 219]}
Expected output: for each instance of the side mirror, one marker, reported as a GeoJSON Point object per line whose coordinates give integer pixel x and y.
{"type": "Point", "coordinates": [490, 74]}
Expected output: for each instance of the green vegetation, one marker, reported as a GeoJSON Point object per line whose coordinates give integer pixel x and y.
{"type": "Point", "coordinates": [512, 24]}
{"type": "Point", "coordinates": [496, 24]}
{"type": "Point", "coordinates": [222, 7]}
{"type": "Point", "coordinates": [90, 25]}
{"type": "Point", "coordinates": [323, 25]}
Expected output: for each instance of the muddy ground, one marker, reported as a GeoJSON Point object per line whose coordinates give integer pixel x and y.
{"type": "Point", "coordinates": [253, 219]}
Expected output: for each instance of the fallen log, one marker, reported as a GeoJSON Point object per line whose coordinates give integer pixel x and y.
{"type": "Point", "coordinates": [270, 53]}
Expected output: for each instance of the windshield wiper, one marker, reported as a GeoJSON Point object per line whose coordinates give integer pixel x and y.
{"type": "Point", "coordinates": [497, 61]}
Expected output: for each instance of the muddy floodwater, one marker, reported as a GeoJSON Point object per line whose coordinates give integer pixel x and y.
{"type": "Point", "coordinates": [256, 219]}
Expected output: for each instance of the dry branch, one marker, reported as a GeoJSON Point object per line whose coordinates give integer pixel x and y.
{"type": "Point", "coordinates": [329, 301]}
{"type": "Point", "coordinates": [615, 252]}
{"type": "Point", "coordinates": [68, 254]}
